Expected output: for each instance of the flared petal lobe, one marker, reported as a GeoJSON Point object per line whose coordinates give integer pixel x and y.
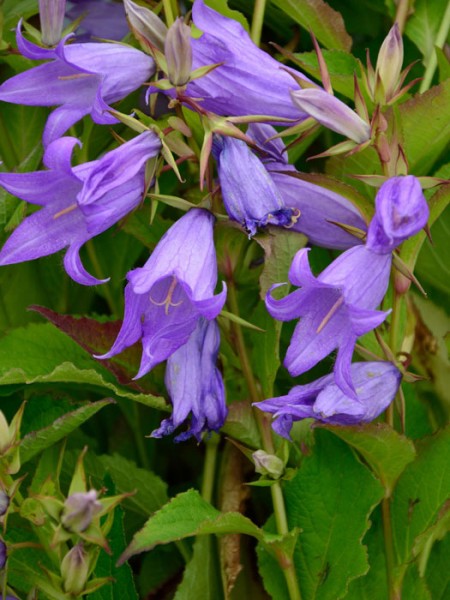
{"type": "Point", "coordinates": [376, 384]}
{"type": "Point", "coordinates": [165, 298]}
{"type": "Point", "coordinates": [195, 384]}
{"type": "Point", "coordinates": [401, 211]}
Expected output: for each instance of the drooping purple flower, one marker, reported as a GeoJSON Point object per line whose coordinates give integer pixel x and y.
{"type": "Point", "coordinates": [248, 82]}
{"type": "Point", "coordinates": [376, 384]}
{"type": "Point", "coordinates": [79, 78]}
{"type": "Point", "coordinates": [78, 203]}
{"type": "Point", "coordinates": [401, 211]}
{"type": "Point", "coordinates": [319, 208]}
{"type": "Point", "coordinates": [249, 194]}
{"type": "Point", "coordinates": [330, 112]}
{"type": "Point", "coordinates": [166, 297]}
{"type": "Point", "coordinates": [334, 308]}
{"type": "Point", "coordinates": [195, 384]}
{"type": "Point", "coordinates": [101, 19]}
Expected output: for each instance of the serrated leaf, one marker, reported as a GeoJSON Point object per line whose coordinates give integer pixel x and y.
{"type": "Point", "coordinates": [420, 493]}
{"type": "Point", "coordinates": [187, 515]}
{"type": "Point", "coordinates": [330, 499]}
{"type": "Point", "coordinates": [438, 573]}
{"type": "Point", "coordinates": [317, 16]}
{"type": "Point", "coordinates": [41, 353]}
{"type": "Point", "coordinates": [37, 441]}
{"type": "Point", "coordinates": [385, 450]}
{"type": "Point", "coordinates": [200, 579]}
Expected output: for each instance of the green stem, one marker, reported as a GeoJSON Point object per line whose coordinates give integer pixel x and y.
{"type": "Point", "coordinates": [279, 508]}
{"type": "Point", "coordinates": [98, 272]}
{"type": "Point", "coordinates": [402, 14]}
{"type": "Point", "coordinates": [168, 12]}
{"type": "Point", "coordinates": [394, 345]}
{"type": "Point", "coordinates": [258, 20]}
{"type": "Point", "coordinates": [432, 59]}
{"type": "Point", "coordinates": [209, 467]}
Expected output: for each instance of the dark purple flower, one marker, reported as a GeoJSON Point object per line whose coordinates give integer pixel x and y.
{"type": "Point", "coordinates": [78, 202]}
{"type": "Point", "coordinates": [401, 211]}
{"type": "Point", "coordinates": [165, 298]}
{"type": "Point", "coordinates": [101, 19]}
{"type": "Point", "coordinates": [79, 78]}
{"type": "Point", "coordinates": [3, 554]}
{"type": "Point", "coordinates": [319, 208]}
{"type": "Point", "coordinates": [334, 309]}
{"type": "Point", "coordinates": [248, 82]}
{"type": "Point", "coordinates": [249, 194]}
{"type": "Point", "coordinates": [195, 384]}
{"type": "Point", "coordinates": [376, 384]}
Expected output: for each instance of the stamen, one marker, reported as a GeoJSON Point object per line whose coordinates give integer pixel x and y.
{"type": "Point", "coordinates": [167, 302]}
{"type": "Point", "coordinates": [330, 313]}
{"type": "Point", "coordinates": [64, 211]}
{"type": "Point", "coordinates": [294, 218]}
{"type": "Point", "coordinates": [75, 76]}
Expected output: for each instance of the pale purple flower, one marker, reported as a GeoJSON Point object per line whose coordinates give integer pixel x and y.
{"type": "Point", "coordinates": [80, 79]}
{"type": "Point", "coordinates": [334, 308]}
{"type": "Point", "coordinates": [376, 384]}
{"type": "Point", "coordinates": [401, 211]}
{"type": "Point", "coordinates": [195, 384]}
{"type": "Point", "coordinates": [330, 112]}
{"type": "Point", "coordinates": [248, 82]}
{"type": "Point", "coordinates": [317, 208]}
{"type": "Point", "coordinates": [79, 510]}
{"type": "Point", "coordinates": [78, 202]}
{"type": "Point", "coordinates": [101, 19]}
{"type": "Point", "coordinates": [250, 196]}
{"type": "Point", "coordinates": [51, 16]}
{"type": "Point", "coordinates": [165, 298]}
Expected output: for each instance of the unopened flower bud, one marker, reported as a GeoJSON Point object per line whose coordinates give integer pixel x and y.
{"type": "Point", "coordinates": [178, 52]}
{"type": "Point", "coordinates": [390, 61]}
{"type": "Point", "coordinates": [3, 554]}
{"type": "Point", "coordinates": [146, 26]}
{"type": "Point", "coordinates": [332, 113]}
{"type": "Point", "coordinates": [4, 502]}
{"type": "Point", "coordinates": [75, 570]}
{"type": "Point", "coordinates": [268, 464]}
{"type": "Point", "coordinates": [79, 510]}
{"type": "Point", "coordinates": [51, 14]}
{"type": "Point", "coordinates": [5, 435]}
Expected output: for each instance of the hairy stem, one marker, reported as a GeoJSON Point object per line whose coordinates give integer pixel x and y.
{"type": "Point", "coordinates": [279, 508]}
{"type": "Point", "coordinates": [257, 21]}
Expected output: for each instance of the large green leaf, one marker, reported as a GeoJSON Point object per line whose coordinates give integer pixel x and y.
{"type": "Point", "coordinates": [386, 451]}
{"type": "Point", "coordinates": [200, 579]}
{"type": "Point", "coordinates": [438, 573]}
{"type": "Point", "coordinates": [318, 16]}
{"type": "Point", "coordinates": [420, 494]}
{"type": "Point", "coordinates": [41, 353]}
{"type": "Point", "coordinates": [330, 500]}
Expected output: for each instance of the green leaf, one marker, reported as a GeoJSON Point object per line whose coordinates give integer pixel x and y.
{"type": "Point", "coordinates": [341, 67]}
{"type": "Point", "coordinates": [438, 573]}
{"type": "Point", "coordinates": [386, 451]}
{"type": "Point", "coordinates": [37, 441]}
{"type": "Point", "coordinates": [40, 353]}
{"type": "Point", "coordinates": [423, 25]}
{"type": "Point", "coordinates": [420, 494]}
{"type": "Point", "coordinates": [432, 265]}
{"type": "Point", "coordinates": [200, 579]}
{"type": "Point", "coordinates": [241, 424]}
{"type": "Point", "coordinates": [189, 515]}
{"type": "Point", "coordinates": [317, 16]}
{"type": "Point", "coordinates": [330, 500]}
{"type": "Point", "coordinates": [266, 350]}
{"type": "Point", "coordinates": [122, 584]}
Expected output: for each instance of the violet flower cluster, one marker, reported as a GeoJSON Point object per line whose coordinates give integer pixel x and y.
{"type": "Point", "coordinates": [171, 302]}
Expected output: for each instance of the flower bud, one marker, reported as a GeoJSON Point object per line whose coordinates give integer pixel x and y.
{"type": "Point", "coordinates": [268, 464]}
{"type": "Point", "coordinates": [146, 26]}
{"type": "Point", "coordinates": [178, 53]}
{"type": "Point", "coordinates": [79, 510]}
{"type": "Point", "coordinates": [390, 61]}
{"type": "Point", "coordinates": [3, 554]}
{"type": "Point", "coordinates": [4, 502]}
{"type": "Point", "coordinates": [332, 113]}
{"type": "Point", "coordinates": [75, 570]}
{"type": "Point", "coordinates": [5, 435]}
{"type": "Point", "coordinates": [51, 14]}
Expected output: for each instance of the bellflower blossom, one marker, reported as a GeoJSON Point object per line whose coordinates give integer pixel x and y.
{"type": "Point", "coordinates": [319, 208]}
{"type": "Point", "coordinates": [334, 308]}
{"type": "Point", "coordinates": [249, 194]}
{"type": "Point", "coordinates": [376, 384]}
{"type": "Point", "coordinates": [195, 384]}
{"type": "Point", "coordinates": [79, 78]}
{"type": "Point", "coordinates": [248, 82]}
{"type": "Point", "coordinates": [165, 298]}
{"type": "Point", "coordinates": [101, 19]}
{"type": "Point", "coordinates": [78, 202]}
